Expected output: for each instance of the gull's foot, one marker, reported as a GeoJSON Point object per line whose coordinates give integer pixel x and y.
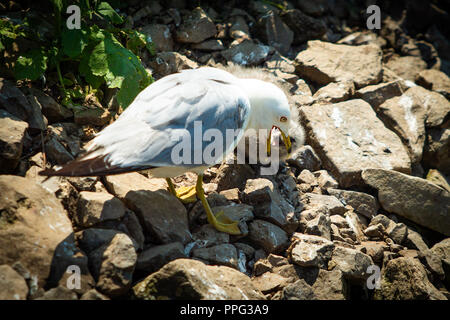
{"type": "Point", "coordinates": [224, 224]}
{"type": "Point", "coordinates": [186, 194]}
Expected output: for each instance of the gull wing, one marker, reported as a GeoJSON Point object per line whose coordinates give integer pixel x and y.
{"type": "Point", "coordinates": [145, 135]}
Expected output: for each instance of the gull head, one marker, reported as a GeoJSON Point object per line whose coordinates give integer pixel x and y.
{"type": "Point", "coordinates": [269, 109]}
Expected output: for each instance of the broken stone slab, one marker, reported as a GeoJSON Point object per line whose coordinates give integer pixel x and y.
{"type": "Point", "coordinates": [436, 105]}
{"type": "Point", "coordinates": [222, 254]}
{"type": "Point", "coordinates": [305, 158]}
{"type": "Point", "coordinates": [434, 80]}
{"type": "Point", "coordinates": [266, 200]}
{"type": "Point", "coordinates": [304, 27]}
{"type": "Point", "coordinates": [113, 265]}
{"type": "Point", "coordinates": [160, 35]}
{"type": "Point", "coordinates": [405, 115]}
{"type": "Point", "coordinates": [406, 67]}
{"type": "Point", "coordinates": [166, 63]}
{"type": "Point", "coordinates": [411, 197]}
{"type": "Point", "coordinates": [331, 203]}
{"type": "Point", "coordinates": [273, 31]}
{"type": "Point", "coordinates": [436, 153]}
{"type": "Point", "coordinates": [164, 217]}
{"type": "Point", "coordinates": [35, 229]}
{"type": "Point", "coordinates": [310, 251]}
{"type": "Point", "coordinates": [270, 237]}
{"type": "Point", "coordinates": [121, 184]}
{"type": "Point", "coordinates": [299, 290]}
{"type": "Point", "coordinates": [351, 262]}
{"type": "Point", "coordinates": [153, 258]}
{"type": "Point", "coordinates": [12, 284]}
{"type": "Point", "coordinates": [406, 279]}
{"type": "Point", "coordinates": [352, 128]}
{"type": "Point", "coordinates": [197, 26]}
{"type": "Point", "coordinates": [379, 93]}
{"type": "Point", "coordinates": [335, 92]}
{"type": "Point", "coordinates": [269, 282]}
{"type": "Point", "coordinates": [324, 62]}
{"type": "Point", "coordinates": [92, 116]}
{"type": "Point", "coordinates": [247, 53]}
{"type": "Point", "coordinates": [12, 137]}
{"type": "Point", "coordinates": [191, 279]}
{"type": "Point", "coordinates": [52, 110]}
{"type": "Point", "coordinates": [363, 203]}
{"type": "Point", "coordinates": [96, 207]}
{"type": "Point", "coordinates": [209, 45]}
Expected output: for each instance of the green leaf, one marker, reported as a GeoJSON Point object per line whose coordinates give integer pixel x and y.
{"type": "Point", "coordinates": [109, 13]}
{"type": "Point", "coordinates": [2, 47]}
{"type": "Point", "coordinates": [30, 65]}
{"type": "Point", "coordinates": [119, 67]}
{"type": "Point", "coordinates": [73, 42]}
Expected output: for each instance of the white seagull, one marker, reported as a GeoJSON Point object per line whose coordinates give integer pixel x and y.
{"type": "Point", "coordinates": [143, 138]}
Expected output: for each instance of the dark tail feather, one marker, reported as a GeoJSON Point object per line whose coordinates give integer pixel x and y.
{"type": "Point", "coordinates": [98, 166]}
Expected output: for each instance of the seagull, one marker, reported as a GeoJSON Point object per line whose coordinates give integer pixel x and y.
{"type": "Point", "coordinates": [145, 135]}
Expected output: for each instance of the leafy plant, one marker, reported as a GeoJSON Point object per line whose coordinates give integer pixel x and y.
{"type": "Point", "coordinates": [106, 54]}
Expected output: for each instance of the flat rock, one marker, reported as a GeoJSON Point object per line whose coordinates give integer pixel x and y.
{"type": "Point", "coordinates": [191, 279]}
{"type": "Point", "coordinates": [352, 128]}
{"type": "Point", "coordinates": [411, 197]}
{"type": "Point", "coordinates": [164, 217]}
{"type": "Point", "coordinates": [324, 62]}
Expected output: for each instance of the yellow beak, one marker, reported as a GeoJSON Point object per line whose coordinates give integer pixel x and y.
{"type": "Point", "coordinates": [286, 140]}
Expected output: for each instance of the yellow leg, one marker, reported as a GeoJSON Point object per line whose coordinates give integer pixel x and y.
{"type": "Point", "coordinates": [185, 194]}
{"type": "Point", "coordinates": [220, 221]}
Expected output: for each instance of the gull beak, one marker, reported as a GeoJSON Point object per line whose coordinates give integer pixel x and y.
{"type": "Point", "coordinates": [286, 140]}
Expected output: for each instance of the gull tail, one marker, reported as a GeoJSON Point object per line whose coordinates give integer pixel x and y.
{"type": "Point", "coordinates": [97, 166]}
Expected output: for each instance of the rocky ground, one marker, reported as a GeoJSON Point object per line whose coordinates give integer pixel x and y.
{"type": "Point", "coordinates": [368, 189]}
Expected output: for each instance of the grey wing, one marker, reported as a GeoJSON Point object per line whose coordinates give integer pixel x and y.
{"type": "Point", "coordinates": [162, 124]}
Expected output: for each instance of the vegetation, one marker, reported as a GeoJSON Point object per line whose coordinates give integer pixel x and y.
{"type": "Point", "coordinates": [101, 54]}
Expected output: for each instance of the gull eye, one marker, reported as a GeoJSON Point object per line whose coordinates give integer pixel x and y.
{"type": "Point", "coordinates": [283, 119]}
